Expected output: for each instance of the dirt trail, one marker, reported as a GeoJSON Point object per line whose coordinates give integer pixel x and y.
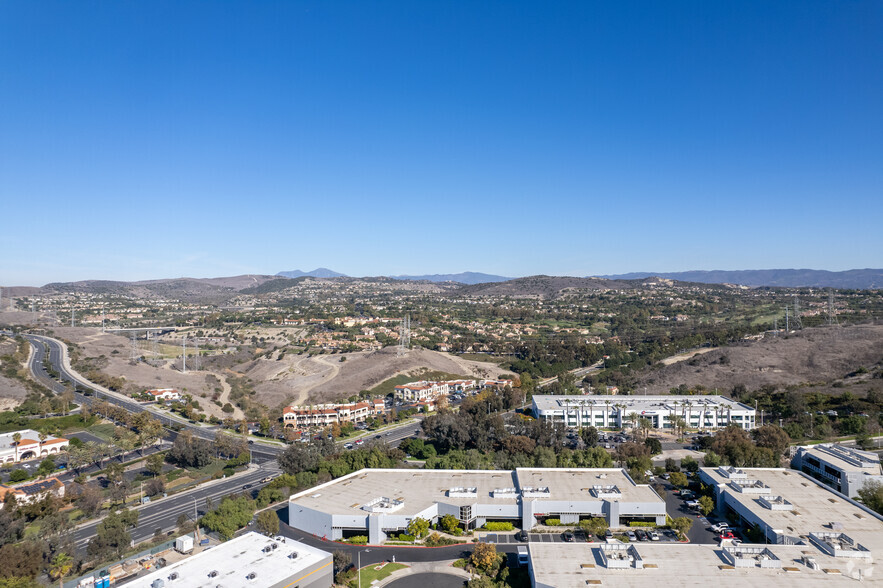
{"type": "Point", "coordinates": [225, 398]}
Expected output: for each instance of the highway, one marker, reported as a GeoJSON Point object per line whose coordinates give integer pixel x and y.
{"type": "Point", "coordinates": [163, 513]}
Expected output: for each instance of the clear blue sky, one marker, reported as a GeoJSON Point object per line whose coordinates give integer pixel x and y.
{"type": "Point", "coordinates": [159, 139]}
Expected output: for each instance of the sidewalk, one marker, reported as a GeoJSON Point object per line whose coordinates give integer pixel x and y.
{"type": "Point", "coordinates": [434, 567]}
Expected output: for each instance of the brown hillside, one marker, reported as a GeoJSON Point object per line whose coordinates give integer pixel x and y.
{"type": "Point", "coordinates": [819, 355]}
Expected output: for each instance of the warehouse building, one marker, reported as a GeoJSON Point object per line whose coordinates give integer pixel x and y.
{"type": "Point", "coordinates": [379, 503]}
{"type": "Point", "coordinates": [248, 560]}
{"type": "Point", "coordinates": [617, 412]}
{"type": "Point", "coordinates": [845, 469]}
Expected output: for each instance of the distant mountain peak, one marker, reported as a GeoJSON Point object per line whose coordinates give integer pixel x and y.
{"type": "Point", "coordinates": [319, 272]}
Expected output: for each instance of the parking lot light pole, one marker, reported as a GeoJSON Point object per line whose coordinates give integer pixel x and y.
{"type": "Point", "coordinates": [359, 565]}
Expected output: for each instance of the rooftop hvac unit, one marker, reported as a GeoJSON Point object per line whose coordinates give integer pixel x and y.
{"type": "Point", "coordinates": [158, 583]}
{"type": "Point", "coordinates": [213, 574]}
{"type": "Point", "coordinates": [274, 546]}
{"type": "Point", "coordinates": [292, 555]}
{"type": "Point", "coordinates": [173, 576]}
{"type": "Point", "coordinates": [251, 576]}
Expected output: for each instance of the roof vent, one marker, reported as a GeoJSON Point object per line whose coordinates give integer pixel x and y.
{"type": "Point", "coordinates": [251, 576]}
{"type": "Point", "coordinates": [292, 555]}
{"type": "Point", "coordinates": [213, 574]}
{"type": "Point", "coordinates": [173, 576]}
{"type": "Point", "coordinates": [274, 546]}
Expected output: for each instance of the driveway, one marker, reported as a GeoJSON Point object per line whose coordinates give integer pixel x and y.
{"type": "Point", "coordinates": [675, 507]}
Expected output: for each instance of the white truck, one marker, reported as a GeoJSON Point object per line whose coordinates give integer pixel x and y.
{"type": "Point", "coordinates": [522, 555]}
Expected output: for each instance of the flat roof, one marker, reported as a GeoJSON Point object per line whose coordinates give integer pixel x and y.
{"type": "Point", "coordinates": [814, 506]}
{"type": "Point", "coordinates": [847, 459]}
{"type": "Point", "coordinates": [572, 565]}
{"type": "Point", "coordinates": [661, 403]}
{"type": "Point", "coordinates": [576, 484]}
{"type": "Point", "coordinates": [236, 559]}
{"type": "Point", "coordinates": [418, 489]}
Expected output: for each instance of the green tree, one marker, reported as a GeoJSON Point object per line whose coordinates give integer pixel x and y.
{"type": "Point", "coordinates": [155, 463]}
{"type": "Point", "coordinates": [18, 475]}
{"type": "Point", "coordinates": [62, 564]}
{"type": "Point", "coordinates": [706, 505]}
{"type": "Point", "coordinates": [268, 522]}
{"type": "Point", "coordinates": [484, 556]}
{"type": "Point", "coordinates": [682, 525]}
{"type": "Point", "coordinates": [589, 436]}
{"type": "Point", "coordinates": [47, 466]}
{"type": "Point", "coordinates": [772, 437]}
{"type": "Point", "coordinates": [678, 479]}
{"type": "Point", "coordinates": [231, 515]}
{"type": "Point", "coordinates": [689, 464]}
{"type": "Point", "coordinates": [711, 459]}
{"type": "Point", "coordinates": [449, 523]}
{"type": "Point", "coordinates": [596, 525]}
{"type": "Point", "coordinates": [418, 527]}
{"type": "Point", "coordinates": [654, 445]}
{"type": "Point", "coordinates": [871, 496]}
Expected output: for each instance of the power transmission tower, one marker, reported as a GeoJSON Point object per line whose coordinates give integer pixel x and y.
{"type": "Point", "coordinates": [72, 317]}
{"type": "Point", "coordinates": [184, 354]}
{"type": "Point", "coordinates": [405, 335]}
{"type": "Point", "coordinates": [832, 316]}
{"type": "Point", "coordinates": [134, 354]}
{"type": "Point", "coordinates": [797, 322]}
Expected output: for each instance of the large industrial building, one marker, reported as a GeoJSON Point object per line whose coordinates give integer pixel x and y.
{"type": "Point", "coordinates": [845, 469]}
{"type": "Point", "coordinates": [249, 560]}
{"type": "Point", "coordinates": [812, 536]}
{"type": "Point", "coordinates": [377, 503]}
{"type": "Point", "coordinates": [615, 412]}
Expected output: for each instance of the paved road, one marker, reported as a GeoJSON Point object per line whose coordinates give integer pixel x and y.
{"type": "Point", "coordinates": [675, 507]}
{"type": "Point", "coordinates": [163, 513]}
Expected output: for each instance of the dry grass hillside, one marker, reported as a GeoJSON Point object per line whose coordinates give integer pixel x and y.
{"type": "Point", "coordinates": [12, 392]}
{"type": "Point", "coordinates": [819, 357]}
{"type": "Point", "coordinates": [303, 379]}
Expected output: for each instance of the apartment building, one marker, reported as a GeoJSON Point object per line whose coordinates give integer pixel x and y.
{"type": "Point", "coordinates": [325, 415]}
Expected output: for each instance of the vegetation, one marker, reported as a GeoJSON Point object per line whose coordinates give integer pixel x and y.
{"type": "Point", "coordinates": [232, 514]}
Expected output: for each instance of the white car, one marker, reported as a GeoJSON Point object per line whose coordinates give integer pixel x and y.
{"type": "Point", "coordinates": [631, 535]}
{"type": "Point", "coordinates": [719, 528]}
{"type": "Point", "coordinates": [654, 536]}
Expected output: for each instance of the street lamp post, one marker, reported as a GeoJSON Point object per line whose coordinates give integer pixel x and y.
{"type": "Point", "coordinates": [359, 565]}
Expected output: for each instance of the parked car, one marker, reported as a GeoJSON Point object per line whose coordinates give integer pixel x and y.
{"type": "Point", "coordinates": [608, 534]}
{"type": "Point", "coordinates": [567, 536]}
{"type": "Point", "coordinates": [726, 535]}
{"type": "Point", "coordinates": [631, 535]}
{"type": "Point", "coordinates": [654, 536]}
{"type": "Point", "coordinates": [719, 527]}
{"type": "Point", "coordinates": [521, 536]}
{"type": "Point", "coordinates": [642, 535]}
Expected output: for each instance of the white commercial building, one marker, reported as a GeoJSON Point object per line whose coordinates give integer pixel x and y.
{"type": "Point", "coordinates": [377, 503]}
{"type": "Point", "coordinates": [29, 446]}
{"type": "Point", "coordinates": [845, 469]}
{"type": "Point", "coordinates": [248, 560]}
{"type": "Point", "coordinates": [615, 412]}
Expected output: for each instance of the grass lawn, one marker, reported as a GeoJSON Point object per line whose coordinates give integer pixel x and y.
{"type": "Point", "coordinates": [482, 357]}
{"type": "Point", "coordinates": [104, 431]}
{"type": "Point", "coordinates": [369, 574]}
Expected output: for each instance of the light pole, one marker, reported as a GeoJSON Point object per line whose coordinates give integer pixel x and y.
{"type": "Point", "coordinates": [359, 565]}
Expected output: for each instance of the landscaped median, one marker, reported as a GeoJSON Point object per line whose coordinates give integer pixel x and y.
{"type": "Point", "coordinates": [376, 572]}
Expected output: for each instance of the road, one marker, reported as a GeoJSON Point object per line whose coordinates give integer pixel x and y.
{"type": "Point", "coordinates": [48, 349]}
{"type": "Point", "coordinates": [163, 513]}
{"type": "Point", "coordinates": [581, 372]}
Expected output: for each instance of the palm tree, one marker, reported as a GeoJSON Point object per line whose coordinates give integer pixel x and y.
{"type": "Point", "coordinates": [61, 567]}
{"type": "Point", "coordinates": [43, 437]}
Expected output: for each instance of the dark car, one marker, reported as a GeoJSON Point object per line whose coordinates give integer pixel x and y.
{"type": "Point", "coordinates": [642, 535]}
{"type": "Point", "coordinates": [567, 536]}
{"type": "Point", "coordinates": [608, 534]}
{"type": "Point", "coordinates": [521, 536]}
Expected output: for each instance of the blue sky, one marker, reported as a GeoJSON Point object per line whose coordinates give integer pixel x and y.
{"type": "Point", "coordinates": [156, 139]}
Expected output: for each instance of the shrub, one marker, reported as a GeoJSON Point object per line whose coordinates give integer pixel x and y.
{"type": "Point", "coordinates": [18, 475]}
{"type": "Point", "coordinates": [357, 540]}
{"type": "Point", "coordinates": [503, 526]}
{"type": "Point", "coordinates": [645, 524]}
{"type": "Point", "coordinates": [405, 538]}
